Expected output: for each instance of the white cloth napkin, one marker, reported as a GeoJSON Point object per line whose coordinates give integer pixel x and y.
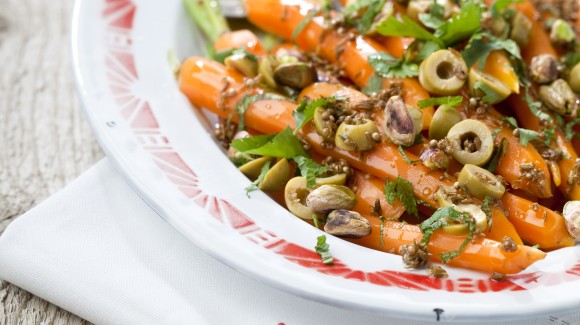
{"type": "Point", "coordinates": [97, 250]}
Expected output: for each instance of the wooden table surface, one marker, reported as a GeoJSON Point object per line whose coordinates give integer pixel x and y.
{"type": "Point", "coordinates": [45, 141]}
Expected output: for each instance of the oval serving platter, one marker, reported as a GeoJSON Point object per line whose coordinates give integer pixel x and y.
{"type": "Point", "coordinates": [165, 150]}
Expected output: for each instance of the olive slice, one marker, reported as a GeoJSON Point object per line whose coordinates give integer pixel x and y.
{"type": "Point", "coordinates": [574, 78]}
{"type": "Point", "coordinates": [243, 63]}
{"type": "Point", "coordinates": [295, 194]}
{"type": "Point", "coordinates": [276, 177]}
{"type": "Point", "coordinates": [443, 73]}
{"type": "Point", "coordinates": [338, 179]}
{"type": "Point", "coordinates": [477, 76]}
{"type": "Point", "coordinates": [417, 117]}
{"type": "Point", "coordinates": [253, 168]}
{"type": "Point", "coordinates": [443, 120]}
{"type": "Point", "coordinates": [442, 199]}
{"type": "Point", "coordinates": [480, 182]}
{"type": "Point", "coordinates": [356, 137]}
{"type": "Point", "coordinates": [462, 228]}
{"type": "Point", "coordinates": [521, 29]}
{"type": "Point", "coordinates": [471, 142]}
{"type": "Point", "coordinates": [323, 126]}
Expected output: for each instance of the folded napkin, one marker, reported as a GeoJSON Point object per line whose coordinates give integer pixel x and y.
{"type": "Point", "coordinates": [97, 250]}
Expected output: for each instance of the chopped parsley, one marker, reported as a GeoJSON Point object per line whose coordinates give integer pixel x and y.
{"type": "Point", "coordinates": [407, 28]}
{"type": "Point", "coordinates": [402, 190]}
{"type": "Point", "coordinates": [449, 101]}
{"type": "Point", "coordinates": [322, 248]}
{"type": "Point", "coordinates": [461, 26]}
{"type": "Point", "coordinates": [481, 44]}
{"type": "Point", "coordinates": [282, 145]}
{"type": "Point", "coordinates": [388, 66]}
{"type": "Point", "coordinates": [309, 169]}
{"type": "Point", "coordinates": [254, 185]}
{"type": "Point", "coordinates": [441, 218]}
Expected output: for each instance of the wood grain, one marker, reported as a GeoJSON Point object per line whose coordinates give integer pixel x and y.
{"type": "Point", "coordinates": [44, 140]}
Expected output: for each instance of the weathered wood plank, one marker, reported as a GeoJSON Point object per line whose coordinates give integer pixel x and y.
{"type": "Point", "coordinates": [44, 141]}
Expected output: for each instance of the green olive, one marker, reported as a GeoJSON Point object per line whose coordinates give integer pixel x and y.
{"type": "Point", "coordinates": [443, 120]}
{"type": "Point", "coordinates": [574, 78]}
{"type": "Point", "coordinates": [357, 137]}
{"type": "Point", "coordinates": [243, 63]}
{"type": "Point", "coordinates": [498, 26]}
{"type": "Point", "coordinates": [558, 96]}
{"type": "Point", "coordinates": [480, 182]}
{"type": "Point", "coordinates": [338, 179]}
{"type": "Point", "coordinates": [323, 126]}
{"type": "Point", "coordinates": [295, 75]}
{"type": "Point", "coordinates": [417, 117]}
{"type": "Point", "coordinates": [479, 79]}
{"type": "Point", "coordinates": [276, 177]}
{"type": "Point", "coordinates": [471, 142]}
{"type": "Point", "coordinates": [521, 29]}
{"type": "Point", "coordinates": [266, 69]}
{"type": "Point", "coordinates": [253, 168]}
{"type": "Point", "coordinates": [442, 198]}
{"type": "Point", "coordinates": [475, 212]}
{"type": "Point", "coordinates": [443, 73]}
{"type": "Point", "coordinates": [295, 194]}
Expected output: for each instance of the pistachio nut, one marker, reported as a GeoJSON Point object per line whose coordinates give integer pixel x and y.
{"type": "Point", "coordinates": [295, 194]}
{"type": "Point", "coordinates": [331, 197]}
{"type": "Point", "coordinates": [399, 126]}
{"type": "Point", "coordinates": [559, 97]}
{"type": "Point", "coordinates": [295, 74]}
{"type": "Point", "coordinates": [572, 216]}
{"type": "Point", "coordinates": [561, 33]}
{"type": "Point", "coordinates": [434, 158]}
{"type": "Point", "coordinates": [244, 63]}
{"type": "Point", "coordinates": [347, 223]}
{"type": "Point", "coordinates": [521, 29]}
{"type": "Point", "coordinates": [544, 68]}
{"type": "Point", "coordinates": [266, 70]}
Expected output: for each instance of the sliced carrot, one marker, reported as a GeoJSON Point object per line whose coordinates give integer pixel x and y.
{"type": "Point", "coordinates": [481, 254]}
{"type": "Point", "coordinates": [240, 39]}
{"type": "Point", "coordinates": [368, 189]}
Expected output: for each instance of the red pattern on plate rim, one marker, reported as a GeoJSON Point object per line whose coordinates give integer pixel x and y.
{"type": "Point", "coordinates": [118, 16]}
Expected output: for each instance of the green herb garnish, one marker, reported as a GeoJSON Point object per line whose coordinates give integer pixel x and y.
{"type": "Point", "coordinates": [254, 185]}
{"type": "Point", "coordinates": [322, 248]}
{"type": "Point", "coordinates": [305, 111]}
{"type": "Point", "coordinates": [309, 169]}
{"type": "Point", "coordinates": [405, 158]}
{"type": "Point", "coordinates": [481, 44]}
{"type": "Point", "coordinates": [435, 18]}
{"type": "Point", "coordinates": [402, 190]}
{"type": "Point", "coordinates": [499, 152]}
{"type": "Point", "coordinates": [243, 104]}
{"type": "Point", "coordinates": [369, 8]}
{"type": "Point", "coordinates": [490, 95]}
{"type": "Point", "coordinates": [388, 66]}
{"type": "Point", "coordinates": [282, 145]}
{"type": "Point", "coordinates": [488, 201]}
{"type": "Point", "coordinates": [374, 84]}
{"type": "Point", "coordinates": [461, 26]}
{"type": "Point", "coordinates": [407, 28]}
{"type": "Point", "coordinates": [449, 101]}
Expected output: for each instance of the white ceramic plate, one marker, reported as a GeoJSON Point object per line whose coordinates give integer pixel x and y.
{"type": "Point", "coordinates": [163, 147]}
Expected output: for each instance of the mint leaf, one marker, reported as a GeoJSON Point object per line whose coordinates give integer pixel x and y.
{"type": "Point", "coordinates": [309, 169]}
{"type": "Point", "coordinates": [440, 219]}
{"type": "Point", "coordinates": [449, 101]}
{"type": "Point", "coordinates": [243, 104]}
{"type": "Point", "coordinates": [527, 135]}
{"type": "Point", "coordinates": [488, 201]}
{"type": "Point", "coordinates": [406, 28]}
{"type": "Point", "coordinates": [374, 84]}
{"type": "Point", "coordinates": [499, 152]}
{"type": "Point", "coordinates": [305, 111]}
{"type": "Point", "coordinates": [282, 145]}
{"type": "Point", "coordinates": [254, 185]}
{"type": "Point", "coordinates": [402, 190]}
{"type": "Point", "coordinates": [511, 121]}
{"type": "Point", "coordinates": [481, 44]}
{"type": "Point", "coordinates": [388, 66]}
{"type": "Point", "coordinates": [322, 248]}
{"type": "Point", "coordinates": [461, 26]}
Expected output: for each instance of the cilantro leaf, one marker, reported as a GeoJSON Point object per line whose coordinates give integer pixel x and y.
{"type": "Point", "coordinates": [243, 104]}
{"type": "Point", "coordinates": [402, 190]}
{"type": "Point", "coordinates": [481, 44]}
{"type": "Point", "coordinates": [406, 28]}
{"type": "Point", "coordinates": [435, 18]}
{"type": "Point", "coordinates": [307, 19]}
{"type": "Point", "coordinates": [309, 169]}
{"type": "Point", "coordinates": [388, 66]}
{"type": "Point", "coordinates": [369, 8]}
{"type": "Point", "coordinates": [490, 95]}
{"type": "Point", "coordinates": [405, 158]}
{"type": "Point", "coordinates": [305, 111]}
{"type": "Point", "coordinates": [536, 107]}
{"type": "Point", "coordinates": [322, 248]}
{"type": "Point", "coordinates": [511, 121]}
{"type": "Point", "coordinates": [527, 135]}
{"type": "Point", "coordinates": [374, 84]}
{"type": "Point", "coordinates": [499, 5]}
{"type": "Point", "coordinates": [283, 145]}
{"type": "Point", "coordinates": [499, 152]}
{"type": "Point", "coordinates": [426, 49]}
{"type": "Point", "coordinates": [461, 26]}
{"type": "Point", "coordinates": [449, 101]}
{"type": "Point", "coordinates": [440, 219]}
{"type": "Point", "coordinates": [254, 185]}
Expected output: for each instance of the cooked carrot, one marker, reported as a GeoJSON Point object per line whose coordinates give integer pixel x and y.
{"type": "Point", "coordinates": [481, 254]}
{"type": "Point", "coordinates": [240, 39]}
{"type": "Point", "coordinates": [202, 81]}
{"type": "Point", "coordinates": [351, 55]}
{"type": "Point", "coordinates": [538, 226]}
{"type": "Point", "coordinates": [368, 189]}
